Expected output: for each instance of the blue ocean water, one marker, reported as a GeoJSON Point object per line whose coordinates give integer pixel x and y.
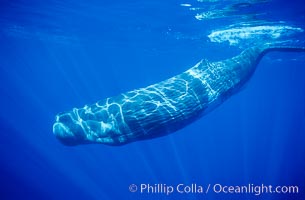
{"type": "Point", "coordinates": [56, 55]}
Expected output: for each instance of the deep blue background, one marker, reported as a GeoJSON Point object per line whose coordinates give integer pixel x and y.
{"type": "Point", "coordinates": [55, 55]}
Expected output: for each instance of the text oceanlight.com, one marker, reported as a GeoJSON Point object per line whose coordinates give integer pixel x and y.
{"type": "Point", "coordinates": [195, 188]}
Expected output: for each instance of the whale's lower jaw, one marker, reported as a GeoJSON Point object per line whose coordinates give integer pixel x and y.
{"type": "Point", "coordinates": [78, 135]}
{"type": "Point", "coordinates": [162, 108]}
{"type": "Point", "coordinates": [141, 121]}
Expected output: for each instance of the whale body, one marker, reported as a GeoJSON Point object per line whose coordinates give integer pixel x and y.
{"type": "Point", "coordinates": [161, 108]}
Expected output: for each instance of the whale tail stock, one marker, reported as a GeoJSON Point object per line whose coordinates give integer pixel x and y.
{"type": "Point", "coordinates": [279, 47]}
{"type": "Point", "coordinates": [254, 54]}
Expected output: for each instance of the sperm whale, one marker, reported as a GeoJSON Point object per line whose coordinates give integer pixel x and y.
{"type": "Point", "coordinates": [164, 107]}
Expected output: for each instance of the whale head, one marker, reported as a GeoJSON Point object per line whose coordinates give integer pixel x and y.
{"type": "Point", "coordinates": [68, 131]}
{"type": "Point", "coordinates": [72, 130]}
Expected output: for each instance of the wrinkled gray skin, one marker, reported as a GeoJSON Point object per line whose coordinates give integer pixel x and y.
{"type": "Point", "coordinates": [161, 108]}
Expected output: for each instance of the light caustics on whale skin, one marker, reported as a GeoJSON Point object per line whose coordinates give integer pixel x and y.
{"type": "Point", "coordinates": [158, 109]}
